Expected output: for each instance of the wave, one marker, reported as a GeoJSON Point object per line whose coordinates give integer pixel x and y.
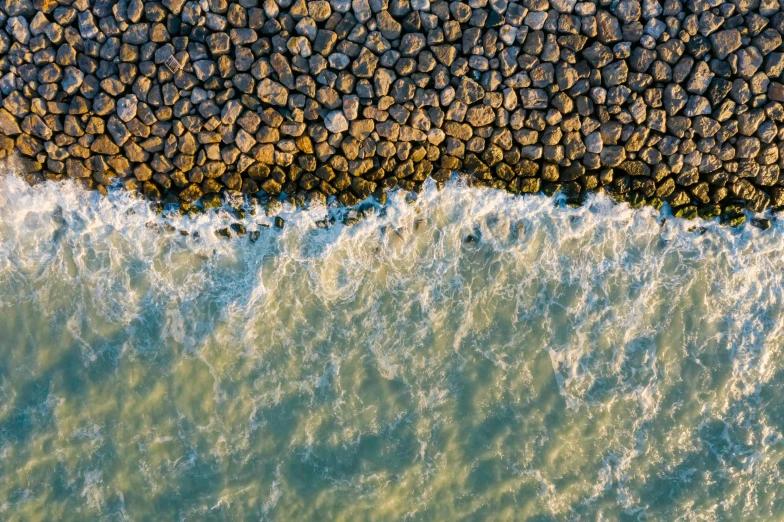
{"type": "Point", "coordinates": [461, 353]}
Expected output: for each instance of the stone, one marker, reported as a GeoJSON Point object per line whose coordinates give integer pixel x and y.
{"type": "Point", "coordinates": [445, 54]}
{"type": "Point", "coordinates": [615, 73]}
{"type": "Point", "coordinates": [412, 43]}
{"type": "Point", "coordinates": [635, 95]}
{"type": "Point", "coordinates": [336, 122]}
{"type": "Point", "coordinates": [594, 143]}
{"type": "Point", "coordinates": [608, 28]}
{"type": "Point", "coordinates": [725, 42]}
{"type": "Point", "coordinates": [749, 61]}
{"type": "Point", "coordinates": [533, 98]}
{"type": "Point", "coordinates": [127, 107]}
{"type": "Point", "coordinates": [365, 65]}
{"type": "Point", "coordinates": [72, 80]}
{"type": "Point", "coordinates": [272, 92]}
{"type": "Point", "coordinates": [319, 10]}
{"type": "Point", "coordinates": [8, 124]}
{"type": "Point", "coordinates": [479, 116]}
{"type": "Point", "coordinates": [747, 147]}
{"type": "Point", "coordinates": [204, 69]}
{"type": "Point", "coordinates": [469, 91]}
{"type": "Point", "coordinates": [563, 6]}
{"type": "Point", "coordinates": [19, 29]}
{"type": "Point", "coordinates": [389, 27]}
{"type": "Point", "coordinates": [299, 45]}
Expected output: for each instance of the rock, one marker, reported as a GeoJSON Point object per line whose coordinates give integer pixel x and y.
{"type": "Point", "coordinates": [219, 43]}
{"type": "Point", "coordinates": [749, 61]}
{"type": "Point", "coordinates": [72, 80]}
{"type": "Point", "coordinates": [365, 65]}
{"type": "Point", "coordinates": [204, 69]}
{"type": "Point", "coordinates": [272, 92]}
{"type": "Point", "coordinates": [299, 45]}
{"type": "Point", "coordinates": [747, 147]}
{"type": "Point", "coordinates": [725, 42]}
{"type": "Point", "coordinates": [339, 61]}
{"type": "Point", "coordinates": [469, 91]}
{"type": "Point", "coordinates": [361, 9]}
{"type": "Point", "coordinates": [615, 73]}
{"type": "Point", "coordinates": [412, 43]}
{"type": "Point", "coordinates": [608, 27]}
{"type": "Point", "coordinates": [563, 6]}
{"type": "Point", "coordinates": [479, 116]}
{"type": "Point", "coordinates": [319, 10]}
{"type": "Point", "coordinates": [696, 106]}
{"type": "Point", "coordinates": [612, 156]}
{"type": "Point", "coordinates": [127, 107]}
{"type": "Point", "coordinates": [19, 29]}
{"type": "Point", "coordinates": [336, 122]}
{"type": "Point", "coordinates": [533, 98]}
{"type": "Point", "coordinates": [675, 98]}
{"type": "Point", "coordinates": [445, 54]}
{"type": "Point", "coordinates": [535, 20]}
{"type": "Point", "coordinates": [594, 143]}
{"type": "Point", "coordinates": [389, 27]}
{"type": "Point", "coordinates": [8, 124]}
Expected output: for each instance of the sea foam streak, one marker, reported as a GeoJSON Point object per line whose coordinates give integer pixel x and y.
{"type": "Point", "coordinates": [468, 354]}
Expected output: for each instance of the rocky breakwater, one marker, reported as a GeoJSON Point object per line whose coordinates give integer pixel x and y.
{"type": "Point", "coordinates": [674, 100]}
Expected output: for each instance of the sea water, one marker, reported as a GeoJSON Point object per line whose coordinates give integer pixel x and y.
{"type": "Point", "coordinates": [463, 355]}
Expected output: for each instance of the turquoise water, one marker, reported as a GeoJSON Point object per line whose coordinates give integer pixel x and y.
{"type": "Point", "coordinates": [469, 355]}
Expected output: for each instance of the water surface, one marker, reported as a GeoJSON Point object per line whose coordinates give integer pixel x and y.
{"type": "Point", "coordinates": [470, 355]}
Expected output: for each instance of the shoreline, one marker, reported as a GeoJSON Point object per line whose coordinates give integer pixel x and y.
{"type": "Point", "coordinates": [241, 216]}
{"type": "Point", "coordinates": [192, 101]}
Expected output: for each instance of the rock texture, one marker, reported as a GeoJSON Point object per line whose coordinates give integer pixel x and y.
{"type": "Point", "coordinates": [650, 100]}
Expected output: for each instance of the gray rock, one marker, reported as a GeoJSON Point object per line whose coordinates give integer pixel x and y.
{"type": "Point", "coordinates": [697, 106]}
{"type": "Point", "coordinates": [675, 98]}
{"type": "Point", "coordinates": [701, 76]}
{"type": "Point", "coordinates": [243, 36]}
{"type": "Point", "coordinates": [361, 10]}
{"type": "Point", "coordinates": [389, 27]}
{"type": "Point", "coordinates": [336, 122]}
{"type": "Point", "coordinates": [533, 98]}
{"type": "Point", "coordinates": [127, 107]}
{"type": "Point", "coordinates": [563, 6]}
{"type": "Point", "coordinates": [749, 61]}
{"type": "Point", "coordinates": [481, 115]}
{"type": "Point", "coordinates": [469, 91]}
{"type": "Point", "coordinates": [365, 65]}
{"type": "Point", "coordinates": [535, 20]}
{"type": "Point", "coordinates": [272, 92]}
{"type": "Point", "coordinates": [412, 43]}
{"type": "Point", "coordinates": [87, 26]}
{"type": "Point", "coordinates": [725, 42]}
{"type": "Point", "coordinates": [204, 69]}
{"type": "Point", "coordinates": [19, 29]}
{"type": "Point", "coordinates": [615, 73]}
{"type": "Point", "coordinates": [612, 156]}
{"type": "Point", "coordinates": [339, 61]}
{"type": "Point", "coordinates": [608, 27]}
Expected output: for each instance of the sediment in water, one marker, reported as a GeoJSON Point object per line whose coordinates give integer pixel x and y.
{"type": "Point", "coordinates": [676, 101]}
